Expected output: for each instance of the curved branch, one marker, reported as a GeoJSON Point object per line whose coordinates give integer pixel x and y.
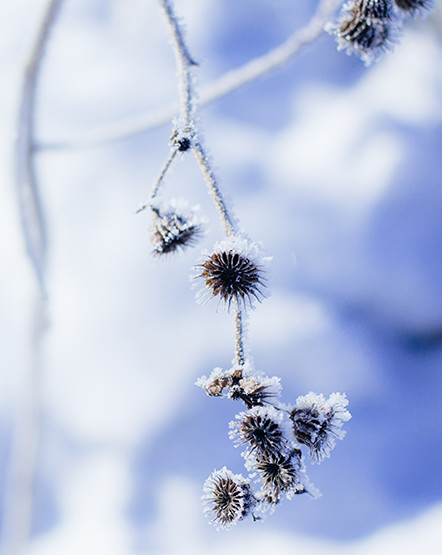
{"type": "Point", "coordinates": [19, 491]}
{"type": "Point", "coordinates": [231, 81]}
{"type": "Point", "coordinates": [26, 181]}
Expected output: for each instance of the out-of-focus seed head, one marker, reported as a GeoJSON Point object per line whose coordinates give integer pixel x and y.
{"type": "Point", "coordinates": [367, 28]}
{"type": "Point", "coordinates": [174, 228]}
{"type": "Point", "coordinates": [227, 498]}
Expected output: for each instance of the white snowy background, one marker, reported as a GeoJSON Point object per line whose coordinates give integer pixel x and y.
{"type": "Point", "coordinates": [337, 170]}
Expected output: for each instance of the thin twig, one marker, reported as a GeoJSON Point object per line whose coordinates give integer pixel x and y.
{"type": "Point", "coordinates": [184, 61]}
{"type": "Point", "coordinates": [231, 81]}
{"type": "Point", "coordinates": [188, 106]}
{"type": "Point", "coordinates": [157, 184]}
{"type": "Point", "coordinates": [214, 190]}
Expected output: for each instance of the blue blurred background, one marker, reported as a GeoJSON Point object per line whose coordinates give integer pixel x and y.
{"type": "Point", "coordinates": [336, 169]}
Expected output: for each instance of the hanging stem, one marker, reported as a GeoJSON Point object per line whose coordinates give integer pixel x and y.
{"type": "Point", "coordinates": [158, 182]}
{"type": "Point", "coordinates": [214, 190]}
{"type": "Point", "coordinates": [239, 335]}
{"type": "Point", "coordinates": [184, 62]}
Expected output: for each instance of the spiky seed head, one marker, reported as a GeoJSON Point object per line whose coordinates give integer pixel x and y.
{"type": "Point", "coordinates": [174, 228]}
{"type": "Point", "coordinates": [227, 498]}
{"type": "Point", "coordinates": [317, 422]}
{"type": "Point", "coordinates": [255, 390]}
{"type": "Point", "coordinates": [280, 474]}
{"type": "Point", "coordinates": [367, 28]}
{"type": "Point", "coordinates": [218, 381]}
{"type": "Point", "coordinates": [231, 272]}
{"type": "Point", "coordinates": [261, 430]}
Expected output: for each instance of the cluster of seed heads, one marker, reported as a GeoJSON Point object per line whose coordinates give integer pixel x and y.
{"type": "Point", "coordinates": [271, 436]}
{"type": "Point", "coordinates": [368, 28]}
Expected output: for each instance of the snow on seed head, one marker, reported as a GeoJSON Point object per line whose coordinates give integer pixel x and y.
{"type": "Point", "coordinates": [227, 498]}
{"type": "Point", "coordinates": [317, 422]}
{"type": "Point", "coordinates": [175, 227]}
{"type": "Point", "coordinates": [233, 271]}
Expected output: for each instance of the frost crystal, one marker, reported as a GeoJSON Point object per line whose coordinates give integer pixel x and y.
{"type": "Point", "coordinates": [317, 422]}
{"type": "Point", "coordinates": [227, 498]}
{"type": "Point", "coordinates": [232, 271]}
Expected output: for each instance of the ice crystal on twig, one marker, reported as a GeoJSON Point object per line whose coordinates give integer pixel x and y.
{"type": "Point", "coordinates": [317, 422]}
{"type": "Point", "coordinates": [227, 498]}
{"type": "Point", "coordinates": [261, 430]}
{"type": "Point", "coordinates": [174, 228]}
{"type": "Point", "coordinates": [232, 271]}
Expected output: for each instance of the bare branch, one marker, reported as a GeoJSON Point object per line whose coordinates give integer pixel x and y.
{"type": "Point", "coordinates": [183, 59]}
{"type": "Point", "coordinates": [18, 499]}
{"type": "Point", "coordinates": [157, 184]}
{"type": "Point", "coordinates": [27, 187]}
{"type": "Point", "coordinates": [226, 84]}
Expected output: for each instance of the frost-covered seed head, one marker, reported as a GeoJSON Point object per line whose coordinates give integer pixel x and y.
{"type": "Point", "coordinates": [317, 422]}
{"type": "Point", "coordinates": [173, 230]}
{"type": "Point", "coordinates": [261, 430]}
{"type": "Point", "coordinates": [230, 273]}
{"type": "Point", "coordinates": [367, 28]}
{"type": "Point", "coordinates": [227, 498]}
{"type": "Point", "coordinates": [182, 140]}
{"type": "Point", "coordinates": [413, 7]}
{"type": "Point", "coordinates": [280, 473]}
{"type": "Point", "coordinates": [255, 390]}
{"type": "Point", "coordinates": [216, 383]}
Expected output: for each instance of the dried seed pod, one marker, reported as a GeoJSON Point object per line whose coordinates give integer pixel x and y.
{"type": "Point", "coordinates": [262, 431]}
{"type": "Point", "coordinates": [367, 28]}
{"type": "Point", "coordinates": [231, 272]}
{"type": "Point", "coordinates": [174, 227]}
{"type": "Point", "coordinates": [317, 422]}
{"type": "Point", "coordinates": [280, 474]}
{"type": "Point", "coordinates": [227, 498]}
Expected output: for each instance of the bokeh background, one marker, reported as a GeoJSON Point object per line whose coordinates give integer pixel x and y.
{"type": "Point", "coordinates": [336, 168]}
